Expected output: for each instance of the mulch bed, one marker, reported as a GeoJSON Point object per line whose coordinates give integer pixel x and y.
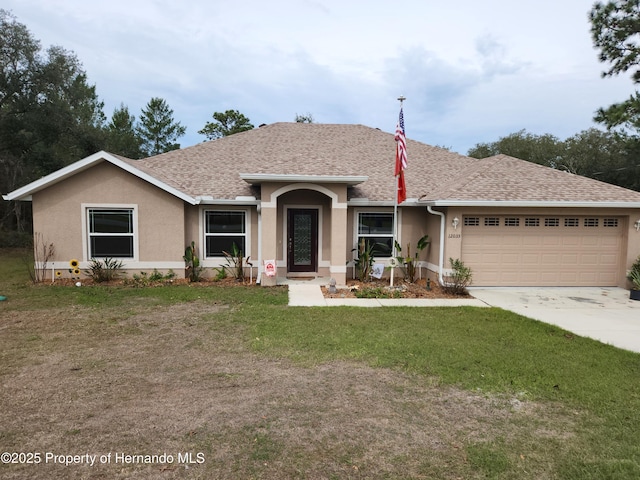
{"type": "Point", "coordinates": [418, 289]}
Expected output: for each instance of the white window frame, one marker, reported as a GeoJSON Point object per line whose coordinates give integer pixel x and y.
{"type": "Point", "coordinates": [356, 233]}
{"type": "Point", "coordinates": [86, 233]}
{"type": "Point", "coordinates": [218, 260]}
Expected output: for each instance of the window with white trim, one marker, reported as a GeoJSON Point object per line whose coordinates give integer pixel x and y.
{"type": "Point", "coordinates": [111, 232]}
{"type": "Point", "coordinates": [376, 229]}
{"type": "Point", "coordinates": [223, 229]}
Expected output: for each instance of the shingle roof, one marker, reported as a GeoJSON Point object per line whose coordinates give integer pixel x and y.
{"type": "Point", "coordinates": [505, 178]}
{"type": "Point", "coordinates": [213, 168]}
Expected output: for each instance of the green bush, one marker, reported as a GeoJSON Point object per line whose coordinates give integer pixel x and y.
{"type": "Point", "coordinates": [634, 274]}
{"type": "Point", "coordinates": [104, 271]}
{"type": "Point", "coordinates": [458, 281]}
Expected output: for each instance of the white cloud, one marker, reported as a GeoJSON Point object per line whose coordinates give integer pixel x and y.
{"type": "Point", "coordinates": [471, 71]}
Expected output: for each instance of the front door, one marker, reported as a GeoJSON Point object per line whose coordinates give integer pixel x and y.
{"type": "Point", "coordinates": [302, 240]}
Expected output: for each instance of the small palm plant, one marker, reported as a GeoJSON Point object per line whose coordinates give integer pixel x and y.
{"type": "Point", "coordinates": [409, 262]}
{"type": "Point", "coordinates": [192, 262]}
{"type": "Point", "coordinates": [634, 277]}
{"type": "Point", "coordinates": [364, 261]}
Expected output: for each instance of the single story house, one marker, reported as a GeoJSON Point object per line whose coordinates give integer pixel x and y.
{"type": "Point", "coordinates": [304, 195]}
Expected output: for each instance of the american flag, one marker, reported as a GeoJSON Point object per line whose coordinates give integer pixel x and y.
{"type": "Point", "coordinates": [401, 150]}
{"type": "Point", "coordinates": [401, 158]}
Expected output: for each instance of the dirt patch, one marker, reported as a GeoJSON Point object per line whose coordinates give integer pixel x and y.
{"type": "Point", "coordinates": [180, 380]}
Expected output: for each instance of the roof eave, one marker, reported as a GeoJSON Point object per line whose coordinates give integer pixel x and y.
{"type": "Point", "coordinates": [365, 202]}
{"type": "Point", "coordinates": [259, 178]}
{"type": "Point", "coordinates": [528, 204]}
{"type": "Point", "coordinates": [25, 193]}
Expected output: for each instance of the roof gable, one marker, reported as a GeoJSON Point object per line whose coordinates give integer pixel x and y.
{"type": "Point", "coordinates": [126, 164]}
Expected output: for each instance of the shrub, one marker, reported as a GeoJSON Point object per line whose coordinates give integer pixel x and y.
{"type": "Point", "coordinates": [104, 271]}
{"type": "Point", "coordinates": [634, 274]}
{"type": "Point", "coordinates": [234, 263]}
{"type": "Point", "coordinates": [43, 252]}
{"type": "Point", "coordinates": [143, 279]}
{"type": "Point", "coordinates": [458, 281]}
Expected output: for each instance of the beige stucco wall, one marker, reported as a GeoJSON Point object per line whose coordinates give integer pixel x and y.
{"type": "Point", "coordinates": [329, 199]}
{"type": "Point", "coordinates": [414, 222]}
{"type": "Point", "coordinates": [58, 214]}
{"type": "Point", "coordinates": [194, 231]}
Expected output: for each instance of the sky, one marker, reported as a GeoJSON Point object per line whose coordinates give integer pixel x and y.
{"type": "Point", "coordinates": [471, 71]}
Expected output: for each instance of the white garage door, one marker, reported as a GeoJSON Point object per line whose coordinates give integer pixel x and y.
{"type": "Point", "coordinates": [543, 251]}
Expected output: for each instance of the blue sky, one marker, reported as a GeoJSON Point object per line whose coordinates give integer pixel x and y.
{"type": "Point", "coordinates": [471, 71]}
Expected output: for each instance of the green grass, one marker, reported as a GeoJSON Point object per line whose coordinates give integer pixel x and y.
{"type": "Point", "coordinates": [490, 351]}
{"type": "Point", "coordinates": [487, 351]}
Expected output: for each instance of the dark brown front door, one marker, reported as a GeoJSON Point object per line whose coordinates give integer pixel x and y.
{"type": "Point", "coordinates": [302, 240]}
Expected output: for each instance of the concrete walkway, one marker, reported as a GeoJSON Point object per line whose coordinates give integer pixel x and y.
{"type": "Point", "coordinates": [304, 294]}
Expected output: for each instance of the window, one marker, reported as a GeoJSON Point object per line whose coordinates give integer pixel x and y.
{"type": "Point", "coordinates": [111, 233]}
{"type": "Point", "coordinates": [551, 222]}
{"type": "Point", "coordinates": [591, 222]}
{"type": "Point", "coordinates": [471, 221]}
{"type": "Point", "coordinates": [492, 221]}
{"type": "Point", "coordinates": [571, 222]}
{"type": "Point", "coordinates": [512, 222]}
{"type": "Point", "coordinates": [610, 222]}
{"type": "Point", "coordinates": [222, 230]}
{"type": "Point", "coordinates": [531, 222]}
{"type": "Point", "coordinates": [376, 229]}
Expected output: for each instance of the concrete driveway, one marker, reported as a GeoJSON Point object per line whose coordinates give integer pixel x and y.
{"type": "Point", "coordinates": [604, 314]}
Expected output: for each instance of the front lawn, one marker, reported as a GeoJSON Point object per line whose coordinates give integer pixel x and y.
{"type": "Point", "coordinates": [234, 377]}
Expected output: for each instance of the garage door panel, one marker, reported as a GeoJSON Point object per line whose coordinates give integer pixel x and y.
{"type": "Point", "coordinates": [551, 241]}
{"type": "Point", "coordinates": [509, 259]}
{"type": "Point", "coordinates": [568, 259]}
{"type": "Point", "coordinates": [589, 259]}
{"type": "Point", "coordinates": [530, 259]}
{"type": "Point", "coordinates": [590, 241]}
{"type": "Point", "coordinates": [552, 259]}
{"type": "Point", "coordinates": [608, 259]}
{"type": "Point", "coordinates": [538, 256]}
{"type": "Point", "coordinates": [570, 241]}
{"type": "Point", "coordinates": [509, 240]}
{"type": "Point", "coordinates": [531, 241]}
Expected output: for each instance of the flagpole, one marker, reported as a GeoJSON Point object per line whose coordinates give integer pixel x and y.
{"type": "Point", "coordinates": [401, 98]}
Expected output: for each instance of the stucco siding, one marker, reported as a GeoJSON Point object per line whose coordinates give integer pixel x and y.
{"type": "Point", "coordinates": [59, 213]}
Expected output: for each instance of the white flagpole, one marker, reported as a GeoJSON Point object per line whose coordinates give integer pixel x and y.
{"type": "Point", "coordinates": [401, 98]}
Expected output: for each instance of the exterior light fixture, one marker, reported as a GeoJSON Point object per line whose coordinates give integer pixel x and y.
{"type": "Point", "coordinates": [637, 225]}
{"type": "Point", "coordinates": [455, 222]}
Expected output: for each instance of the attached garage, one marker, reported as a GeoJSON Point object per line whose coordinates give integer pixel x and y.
{"type": "Point", "coordinates": [523, 250]}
